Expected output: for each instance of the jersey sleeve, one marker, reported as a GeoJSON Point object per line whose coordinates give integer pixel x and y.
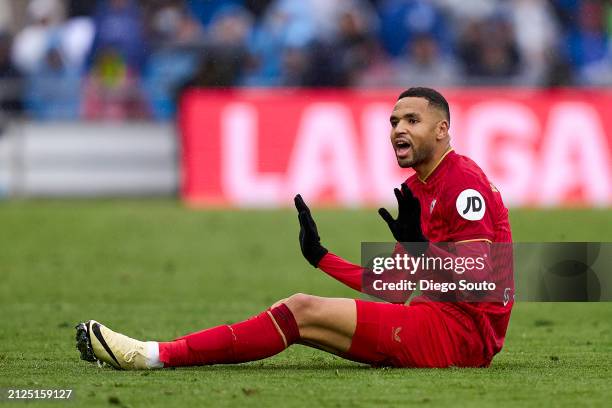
{"type": "Point", "coordinates": [342, 270]}
{"type": "Point", "coordinates": [469, 211]}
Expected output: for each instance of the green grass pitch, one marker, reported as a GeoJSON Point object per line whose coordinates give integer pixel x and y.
{"type": "Point", "coordinates": [155, 270]}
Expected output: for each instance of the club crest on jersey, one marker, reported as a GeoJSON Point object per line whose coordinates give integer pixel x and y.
{"type": "Point", "coordinates": [470, 205]}
{"type": "Point", "coordinates": [432, 205]}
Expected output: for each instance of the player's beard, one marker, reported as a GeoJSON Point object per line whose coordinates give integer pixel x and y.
{"type": "Point", "coordinates": [419, 155]}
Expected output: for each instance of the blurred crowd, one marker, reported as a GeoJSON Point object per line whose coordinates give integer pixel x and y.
{"type": "Point", "coordinates": [117, 59]}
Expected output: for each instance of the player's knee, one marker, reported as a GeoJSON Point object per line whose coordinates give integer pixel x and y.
{"type": "Point", "coordinates": [304, 307]}
{"type": "Point", "coordinates": [299, 302]}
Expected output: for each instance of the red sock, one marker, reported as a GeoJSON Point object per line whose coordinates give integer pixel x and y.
{"type": "Point", "coordinates": [253, 339]}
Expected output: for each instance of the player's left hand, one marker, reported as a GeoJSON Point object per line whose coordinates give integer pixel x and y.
{"type": "Point", "coordinates": [407, 226]}
{"type": "Point", "coordinates": [310, 242]}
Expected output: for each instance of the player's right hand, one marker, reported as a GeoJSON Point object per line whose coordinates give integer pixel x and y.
{"type": "Point", "coordinates": [407, 226]}
{"type": "Point", "coordinates": [310, 242]}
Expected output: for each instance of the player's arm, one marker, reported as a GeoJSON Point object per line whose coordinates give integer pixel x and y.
{"type": "Point", "coordinates": [338, 268]}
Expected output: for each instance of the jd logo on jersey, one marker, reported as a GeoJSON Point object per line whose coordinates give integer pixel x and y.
{"type": "Point", "coordinates": [473, 203]}
{"type": "Point", "coordinates": [470, 205]}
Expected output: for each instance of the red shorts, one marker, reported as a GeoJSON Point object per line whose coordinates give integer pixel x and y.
{"type": "Point", "coordinates": [418, 335]}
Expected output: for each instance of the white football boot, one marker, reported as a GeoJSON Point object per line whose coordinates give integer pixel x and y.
{"type": "Point", "coordinates": [98, 343]}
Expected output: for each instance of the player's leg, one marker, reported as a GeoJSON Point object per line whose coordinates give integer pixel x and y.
{"type": "Point", "coordinates": [324, 323]}
{"type": "Point", "coordinates": [259, 337]}
{"type": "Point", "coordinates": [369, 332]}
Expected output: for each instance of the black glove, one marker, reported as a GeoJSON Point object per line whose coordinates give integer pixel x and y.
{"type": "Point", "coordinates": [310, 242]}
{"type": "Point", "coordinates": [407, 226]}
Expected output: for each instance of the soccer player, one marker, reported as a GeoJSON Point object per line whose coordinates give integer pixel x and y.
{"type": "Point", "coordinates": [448, 199]}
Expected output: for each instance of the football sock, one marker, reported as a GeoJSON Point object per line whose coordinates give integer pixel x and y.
{"type": "Point", "coordinates": [153, 355]}
{"type": "Point", "coordinates": [252, 339]}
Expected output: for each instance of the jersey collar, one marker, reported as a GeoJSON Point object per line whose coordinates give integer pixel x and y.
{"type": "Point", "coordinates": [424, 179]}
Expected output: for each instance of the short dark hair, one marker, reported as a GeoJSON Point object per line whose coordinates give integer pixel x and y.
{"type": "Point", "coordinates": [434, 98]}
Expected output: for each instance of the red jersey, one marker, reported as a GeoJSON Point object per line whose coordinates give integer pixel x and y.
{"type": "Point", "coordinates": [459, 204]}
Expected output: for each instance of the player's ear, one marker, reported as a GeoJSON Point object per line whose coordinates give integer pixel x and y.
{"type": "Point", "coordinates": [442, 129]}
